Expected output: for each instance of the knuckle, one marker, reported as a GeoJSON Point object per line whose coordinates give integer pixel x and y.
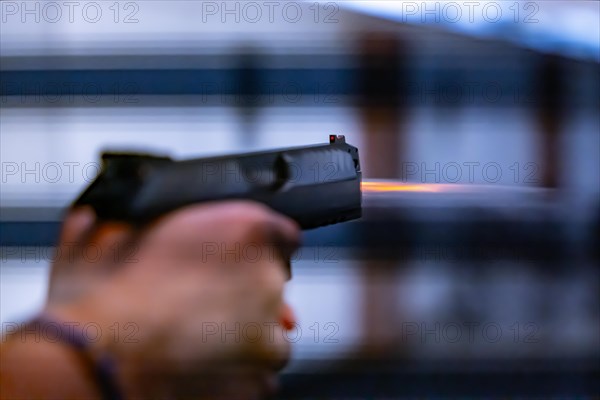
{"type": "Point", "coordinates": [249, 211]}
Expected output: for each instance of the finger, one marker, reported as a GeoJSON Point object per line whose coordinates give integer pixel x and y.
{"type": "Point", "coordinates": [279, 326]}
{"type": "Point", "coordinates": [76, 227]}
{"type": "Point", "coordinates": [224, 222]}
{"type": "Point", "coordinates": [113, 243]}
{"type": "Point", "coordinates": [284, 237]}
{"type": "Point", "coordinates": [83, 236]}
{"type": "Point", "coordinates": [78, 221]}
{"type": "Point", "coordinates": [287, 317]}
{"type": "Point", "coordinates": [275, 231]}
{"type": "Point", "coordinates": [264, 223]}
{"type": "Point", "coordinates": [275, 349]}
{"type": "Point", "coordinates": [285, 231]}
{"type": "Point", "coordinates": [87, 250]}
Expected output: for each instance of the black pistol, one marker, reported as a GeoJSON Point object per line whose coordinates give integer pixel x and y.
{"type": "Point", "coordinates": [315, 185]}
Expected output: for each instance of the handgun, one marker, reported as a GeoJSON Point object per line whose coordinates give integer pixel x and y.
{"type": "Point", "coordinates": [315, 185]}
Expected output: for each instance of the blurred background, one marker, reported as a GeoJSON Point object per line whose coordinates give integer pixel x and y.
{"type": "Point", "coordinates": [474, 271]}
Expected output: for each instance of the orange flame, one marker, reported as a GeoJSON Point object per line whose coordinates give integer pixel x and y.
{"type": "Point", "coordinates": [395, 186]}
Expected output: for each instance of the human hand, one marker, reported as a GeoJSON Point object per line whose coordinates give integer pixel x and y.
{"type": "Point", "coordinates": [203, 288]}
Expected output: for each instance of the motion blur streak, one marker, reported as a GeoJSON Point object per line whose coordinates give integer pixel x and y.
{"type": "Point", "coordinates": [376, 186]}
{"type": "Point", "coordinates": [395, 186]}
